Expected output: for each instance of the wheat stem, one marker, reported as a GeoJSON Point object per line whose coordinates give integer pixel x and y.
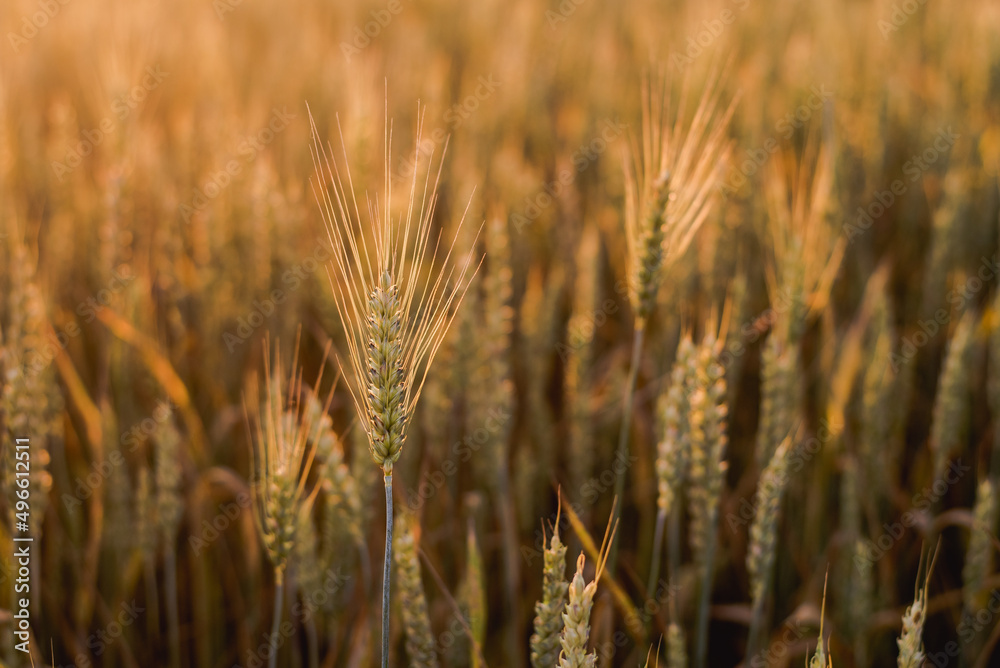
{"type": "Point", "coordinates": [386, 570]}
{"type": "Point", "coordinates": [279, 592]}
{"type": "Point", "coordinates": [638, 339]}
{"type": "Point", "coordinates": [654, 567]}
{"type": "Point", "coordinates": [701, 652]}
{"type": "Point", "coordinates": [170, 585]}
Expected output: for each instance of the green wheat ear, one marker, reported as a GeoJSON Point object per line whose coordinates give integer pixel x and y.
{"type": "Point", "coordinates": [545, 642]}
{"type": "Point", "coordinates": [286, 429]}
{"type": "Point", "coordinates": [387, 416]}
{"type": "Point", "coordinates": [396, 290]}
{"type": "Point", "coordinates": [580, 602]}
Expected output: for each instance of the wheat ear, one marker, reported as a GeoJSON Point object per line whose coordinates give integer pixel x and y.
{"type": "Point", "coordinates": [416, 622]}
{"type": "Point", "coordinates": [395, 315]}
{"type": "Point", "coordinates": [668, 197]}
{"type": "Point", "coordinates": [672, 454]}
{"type": "Point", "coordinates": [763, 535]}
{"type": "Point", "coordinates": [545, 642]}
{"type": "Point", "coordinates": [283, 447]}
{"type": "Point", "coordinates": [979, 556]}
{"type": "Point", "coordinates": [951, 406]}
{"type": "Point", "coordinates": [580, 602]}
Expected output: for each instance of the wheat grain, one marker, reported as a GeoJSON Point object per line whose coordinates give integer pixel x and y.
{"type": "Point", "coordinates": [667, 197]}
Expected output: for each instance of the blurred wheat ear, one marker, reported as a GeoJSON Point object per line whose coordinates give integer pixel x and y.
{"type": "Point", "coordinates": [670, 190]}
{"type": "Point", "coordinates": [396, 291]}
{"type": "Point", "coordinates": [283, 448]}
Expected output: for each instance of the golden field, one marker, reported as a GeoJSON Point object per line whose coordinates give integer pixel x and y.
{"type": "Point", "coordinates": [715, 282]}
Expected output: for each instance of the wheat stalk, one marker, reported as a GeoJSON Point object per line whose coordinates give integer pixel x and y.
{"type": "Point", "coordinates": [394, 316]}
{"type": "Point", "coordinates": [283, 448]}
{"type": "Point", "coordinates": [579, 358]}
{"type": "Point", "coordinates": [169, 510]}
{"type": "Point", "coordinates": [668, 197]}
{"type": "Point", "coordinates": [474, 592]}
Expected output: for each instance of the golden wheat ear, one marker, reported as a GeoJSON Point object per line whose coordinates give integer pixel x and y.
{"type": "Point", "coordinates": [670, 181]}
{"type": "Point", "coordinates": [397, 295]}
{"type": "Point", "coordinates": [396, 287]}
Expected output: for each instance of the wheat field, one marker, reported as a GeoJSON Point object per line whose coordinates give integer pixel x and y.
{"type": "Point", "coordinates": [533, 333]}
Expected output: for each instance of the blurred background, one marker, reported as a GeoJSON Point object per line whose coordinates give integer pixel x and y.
{"type": "Point", "coordinates": [158, 232]}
